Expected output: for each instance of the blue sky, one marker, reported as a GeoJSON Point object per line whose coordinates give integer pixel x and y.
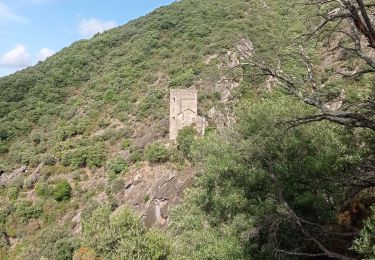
{"type": "Point", "coordinates": [31, 30]}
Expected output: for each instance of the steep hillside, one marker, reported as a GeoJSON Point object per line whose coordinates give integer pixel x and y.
{"type": "Point", "coordinates": [123, 76]}
{"type": "Point", "coordinates": [86, 114]}
{"type": "Point", "coordinates": [86, 132]}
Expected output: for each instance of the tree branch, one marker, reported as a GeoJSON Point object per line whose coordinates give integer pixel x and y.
{"type": "Point", "coordinates": [299, 223]}
{"type": "Point", "coordinates": [298, 254]}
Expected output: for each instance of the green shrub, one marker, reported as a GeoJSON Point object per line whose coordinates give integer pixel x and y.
{"type": "Point", "coordinates": [36, 137]}
{"type": "Point", "coordinates": [152, 105]}
{"type": "Point", "coordinates": [74, 128]}
{"type": "Point", "coordinates": [52, 242]}
{"type": "Point", "coordinates": [176, 156]}
{"type": "Point", "coordinates": [5, 211]}
{"type": "Point", "coordinates": [156, 153]}
{"type": "Point", "coordinates": [91, 156]}
{"type": "Point", "coordinates": [111, 135]}
{"type": "Point", "coordinates": [185, 140]}
{"type": "Point", "coordinates": [136, 155]}
{"type": "Point", "coordinates": [126, 144]}
{"type": "Point", "coordinates": [42, 190]}
{"type": "Point", "coordinates": [48, 159]}
{"type": "Point", "coordinates": [365, 243]}
{"type": "Point", "coordinates": [24, 211]}
{"type": "Point", "coordinates": [4, 247]}
{"type": "Point", "coordinates": [62, 191]}
{"type": "Point", "coordinates": [146, 198]}
{"type": "Point", "coordinates": [3, 147]}
{"type": "Point", "coordinates": [13, 193]}
{"type": "Point", "coordinates": [183, 78]}
{"type": "Point", "coordinates": [75, 158]}
{"type": "Point", "coordinates": [117, 165]}
{"type": "Point", "coordinates": [121, 236]}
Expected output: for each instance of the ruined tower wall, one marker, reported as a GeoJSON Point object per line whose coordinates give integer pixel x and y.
{"type": "Point", "coordinates": [183, 110]}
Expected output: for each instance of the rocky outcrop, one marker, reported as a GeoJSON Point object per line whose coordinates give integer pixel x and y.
{"type": "Point", "coordinates": [222, 117]}
{"type": "Point", "coordinates": [34, 177]}
{"type": "Point", "coordinates": [336, 103]}
{"type": "Point", "coordinates": [222, 114]}
{"type": "Point", "coordinates": [149, 133]}
{"type": "Point", "coordinates": [76, 220]}
{"type": "Point", "coordinates": [151, 190]}
{"type": "Point", "coordinates": [7, 179]}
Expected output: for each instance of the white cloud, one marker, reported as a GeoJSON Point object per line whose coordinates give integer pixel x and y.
{"type": "Point", "coordinates": [44, 53]}
{"type": "Point", "coordinates": [88, 28]}
{"type": "Point", "coordinates": [7, 16]}
{"type": "Point", "coordinates": [18, 57]}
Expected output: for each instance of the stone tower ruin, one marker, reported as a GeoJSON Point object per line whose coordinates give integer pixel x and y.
{"type": "Point", "coordinates": [184, 112]}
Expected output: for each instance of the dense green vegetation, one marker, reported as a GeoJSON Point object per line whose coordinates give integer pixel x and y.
{"type": "Point", "coordinates": [364, 244]}
{"type": "Point", "coordinates": [121, 236]}
{"type": "Point", "coordinates": [62, 191]}
{"type": "Point", "coordinates": [117, 165]}
{"type": "Point", "coordinates": [156, 153]}
{"type": "Point", "coordinates": [185, 140]}
{"type": "Point", "coordinates": [248, 180]}
{"type": "Point", "coordinates": [265, 190]}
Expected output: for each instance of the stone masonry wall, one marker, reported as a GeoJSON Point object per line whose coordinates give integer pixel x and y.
{"type": "Point", "coordinates": [183, 110]}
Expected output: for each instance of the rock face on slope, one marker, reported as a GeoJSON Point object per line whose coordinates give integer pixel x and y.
{"type": "Point", "coordinates": [152, 190]}
{"type": "Point", "coordinates": [7, 179]}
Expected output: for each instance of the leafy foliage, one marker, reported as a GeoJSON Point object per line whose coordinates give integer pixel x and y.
{"type": "Point", "coordinates": [365, 244]}
{"type": "Point", "coordinates": [58, 106]}
{"type": "Point", "coordinates": [185, 139]}
{"type": "Point", "coordinates": [62, 191]}
{"type": "Point", "coordinates": [51, 243]}
{"type": "Point", "coordinates": [91, 156]}
{"type": "Point", "coordinates": [121, 236]}
{"type": "Point", "coordinates": [156, 153]}
{"type": "Point", "coordinates": [248, 180]}
{"type": "Point", "coordinates": [42, 190]}
{"type": "Point", "coordinates": [117, 165]}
